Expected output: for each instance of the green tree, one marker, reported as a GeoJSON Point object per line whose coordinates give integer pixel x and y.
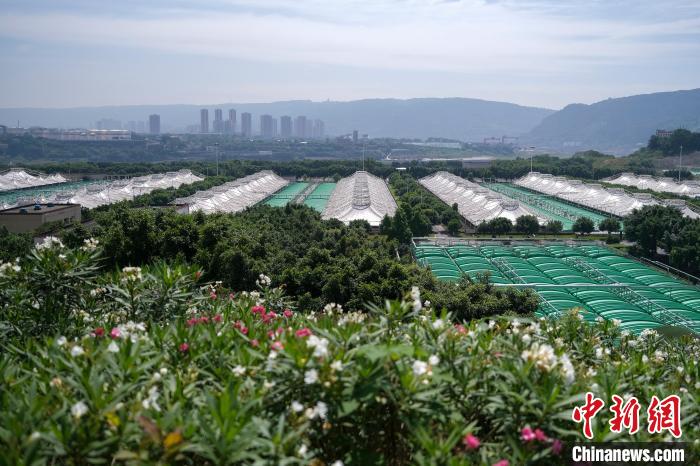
{"type": "Point", "coordinates": [527, 225]}
{"type": "Point", "coordinates": [501, 226]}
{"type": "Point", "coordinates": [652, 225]}
{"type": "Point", "coordinates": [611, 225]}
{"type": "Point", "coordinates": [554, 227]}
{"type": "Point", "coordinates": [583, 225]}
{"type": "Point", "coordinates": [454, 226]}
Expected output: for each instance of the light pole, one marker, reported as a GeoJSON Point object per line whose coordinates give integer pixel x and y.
{"type": "Point", "coordinates": [216, 144]}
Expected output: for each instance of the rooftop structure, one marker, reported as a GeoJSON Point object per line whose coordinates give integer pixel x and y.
{"type": "Point", "coordinates": [95, 195]}
{"type": "Point", "coordinates": [595, 279]}
{"type": "Point", "coordinates": [475, 203]}
{"type": "Point", "coordinates": [20, 178]}
{"type": "Point", "coordinates": [27, 218]}
{"type": "Point", "coordinates": [613, 201]}
{"type": "Point", "coordinates": [236, 195]}
{"type": "Point", "coordinates": [660, 185]}
{"type": "Point", "coordinates": [360, 197]}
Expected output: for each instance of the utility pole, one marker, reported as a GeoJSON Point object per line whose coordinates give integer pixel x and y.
{"type": "Point", "coordinates": [216, 144]}
{"type": "Point", "coordinates": [680, 163]}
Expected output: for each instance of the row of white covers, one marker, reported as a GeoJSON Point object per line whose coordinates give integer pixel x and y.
{"type": "Point", "coordinates": [18, 178]}
{"type": "Point", "coordinates": [474, 202]}
{"type": "Point", "coordinates": [95, 195]}
{"type": "Point", "coordinates": [610, 200]}
{"type": "Point", "coordinates": [660, 185]}
{"type": "Point", "coordinates": [361, 196]}
{"type": "Point", "coordinates": [236, 195]}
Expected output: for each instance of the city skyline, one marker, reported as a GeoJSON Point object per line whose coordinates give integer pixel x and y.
{"type": "Point", "coordinates": [541, 53]}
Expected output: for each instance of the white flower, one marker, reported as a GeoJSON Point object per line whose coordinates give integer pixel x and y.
{"type": "Point", "coordinates": [152, 400]}
{"type": "Point", "coordinates": [415, 296]}
{"type": "Point", "coordinates": [567, 369]}
{"type": "Point", "coordinates": [90, 244]}
{"type": "Point", "coordinates": [527, 338]}
{"type": "Point", "coordinates": [263, 280]}
{"type": "Point", "coordinates": [491, 323]}
{"type": "Point", "coordinates": [337, 365]}
{"type": "Point", "coordinates": [599, 319]}
{"type": "Point", "coordinates": [320, 345]}
{"type": "Point", "coordinates": [131, 274]}
{"type": "Point", "coordinates": [337, 463]}
{"type": "Point", "coordinates": [239, 370]}
{"type": "Point", "coordinates": [163, 370]}
{"type": "Point", "coordinates": [419, 368]}
{"type": "Point", "coordinates": [320, 411]}
{"type": "Point", "coordinates": [77, 351]}
{"type": "Point", "coordinates": [616, 322]}
{"type": "Point", "coordinates": [434, 360]}
{"type": "Point", "coordinates": [60, 341]}
{"type": "Point", "coordinates": [49, 242]}
{"type": "Point", "coordinates": [35, 436]}
{"type": "Point", "coordinates": [645, 358]}
{"type": "Point", "coordinates": [113, 348]}
{"type": "Point", "coordinates": [268, 385]}
{"type": "Point", "coordinates": [297, 407]}
{"type": "Point", "coordinates": [302, 450]}
{"type": "Point", "coordinates": [542, 355]}
{"type": "Point", "coordinates": [311, 376]}
{"type": "Point", "coordinates": [156, 377]}
{"type": "Point", "coordinates": [438, 324]}
{"type": "Point", "coordinates": [79, 409]}
{"type": "Point", "coordinates": [679, 369]}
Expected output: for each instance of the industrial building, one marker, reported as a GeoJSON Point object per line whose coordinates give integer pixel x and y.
{"type": "Point", "coordinates": [360, 197]}
{"type": "Point", "coordinates": [598, 281]}
{"type": "Point", "coordinates": [234, 196]}
{"type": "Point", "coordinates": [475, 203]}
{"type": "Point", "coordinates": [27, 218]}
{"type": "Point", "coordinates": [21, 178]}
{"type": "Point", "coordinates": [660, 185]}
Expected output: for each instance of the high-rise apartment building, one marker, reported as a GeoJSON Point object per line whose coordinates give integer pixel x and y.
{"type": "Point", "coordinates": [230, 125]}
{"type": "Point", "coordinates": [204, 120]}
{"type": "Point", "coordinates": [154, 124]}
{"type": "Point", "coordinates": [286, 127]}
{"type": "Point", "coordinates": [218, 124]}
{"type": "Point", "coordinates": [267, 126]}
{"type": "Point", "coordinates": [309, 133]}
{"type": "Point", "coordinates": [319, 129]}
{"type": "Point", "coordinates": [354, 135]}
{"type": "Point", "coordinates": [300, 127]}
{"type": "Point", "coordinates": [246, 125]}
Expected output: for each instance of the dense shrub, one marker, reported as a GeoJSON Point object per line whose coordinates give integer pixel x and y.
{"type": "Point", "coordinates": [240, 379]}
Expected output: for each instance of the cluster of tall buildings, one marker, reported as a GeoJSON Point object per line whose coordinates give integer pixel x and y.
{"type": "Point", "coordinates": [269, 127]}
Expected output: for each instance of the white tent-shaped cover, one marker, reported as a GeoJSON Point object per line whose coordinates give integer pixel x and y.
{"type": "Point", "coordinates": [660, 185]}
{"type": "Point", "coordinates": [610, 200]}
{"type": "Point", "coordinates": [20, 178]}
{"type": "Point", "coordinates": [474, 202]}
{"type": "Point", "coordinates": [96, 195]}
{"type": "Point", "coordinates": [236, 195]}
{"type": "Point", "coordinates": [361, 196]}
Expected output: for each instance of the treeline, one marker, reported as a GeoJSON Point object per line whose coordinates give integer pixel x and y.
{"type": "Point", "coordinates": [318, 261]}
{"type": "Point", "coordinates": [654, 227]}
{"type": "Point", "coordinates": [672, 145]}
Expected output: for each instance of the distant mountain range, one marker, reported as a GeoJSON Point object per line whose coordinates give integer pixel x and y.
{"type": "Point", "coordinates": [615, 125]}
{"type": "Point", "coordinates": [457, 118]}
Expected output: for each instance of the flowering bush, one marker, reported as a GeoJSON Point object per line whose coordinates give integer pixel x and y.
{"type": "Point", "coordinates": [171, 373]}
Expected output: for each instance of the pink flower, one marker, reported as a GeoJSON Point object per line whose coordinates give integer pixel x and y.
{"type": "Point", "coordinates": [527, 435]}
{"type": "Point", "coordinates": [277, 346]}
{"type": "Point", "coordinates": [540, 435]}
{"type": "Point", "coordinates": [471, 442]}
{"type": "Point", "coordinates": [231, 296]}
{"type": "Point", "coordinates": [272, 314]}
{"type": "Point", "coordinates": [244, 330]}
{"type": "Point", "coordinates": [287, 313]}
{"type": "Point", "coordinates": [217, 318]}
{"type": "Point", "coordinates": [267, 317]}
{"type": "Point", "coordinates": [270, 334]}
{"type": "Point", "coordinates": [258, 310]}
{"type": "Point", "coordinates": [280, 330]}
{"type": "Point", "coordinates": [115, 333]}
{"type": "Point", "coordinates": [99, 332]}
{"type": "Point", "coordinates": [502, 463]}
{"type": "Point", "coordinates": [212, 295]}
{"type": "Point", "coordinates": [556, 446]}
{"type": "Point", "coordinates": [203, 320]}
{"type": "Point", "coordinates": [460, 329]}
{"type": "Point", "coordinates": [254, 343]}
{"type": "Point", "coordinates": [184, 347]}
{"type": "Point", "coordinates": [303, 332]}
{"type": "Point", "coordinates": [238, 324]}
{"type": "Point", "coordinates": [192, 322]}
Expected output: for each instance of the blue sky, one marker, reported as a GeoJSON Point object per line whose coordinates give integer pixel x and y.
{"type": "Point", "coordinates": [65, 53]}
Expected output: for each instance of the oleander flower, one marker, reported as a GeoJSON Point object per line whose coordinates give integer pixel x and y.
{"type": "Point", "coordinates": [79, 409]}
{"type": "Point", "coordinates": [471, 442]}
{"type": "Point", "coordinates": [311, 377]}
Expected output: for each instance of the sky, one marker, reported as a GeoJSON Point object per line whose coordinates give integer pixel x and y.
{"type": "Point", "coordinates": [545, 53]}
